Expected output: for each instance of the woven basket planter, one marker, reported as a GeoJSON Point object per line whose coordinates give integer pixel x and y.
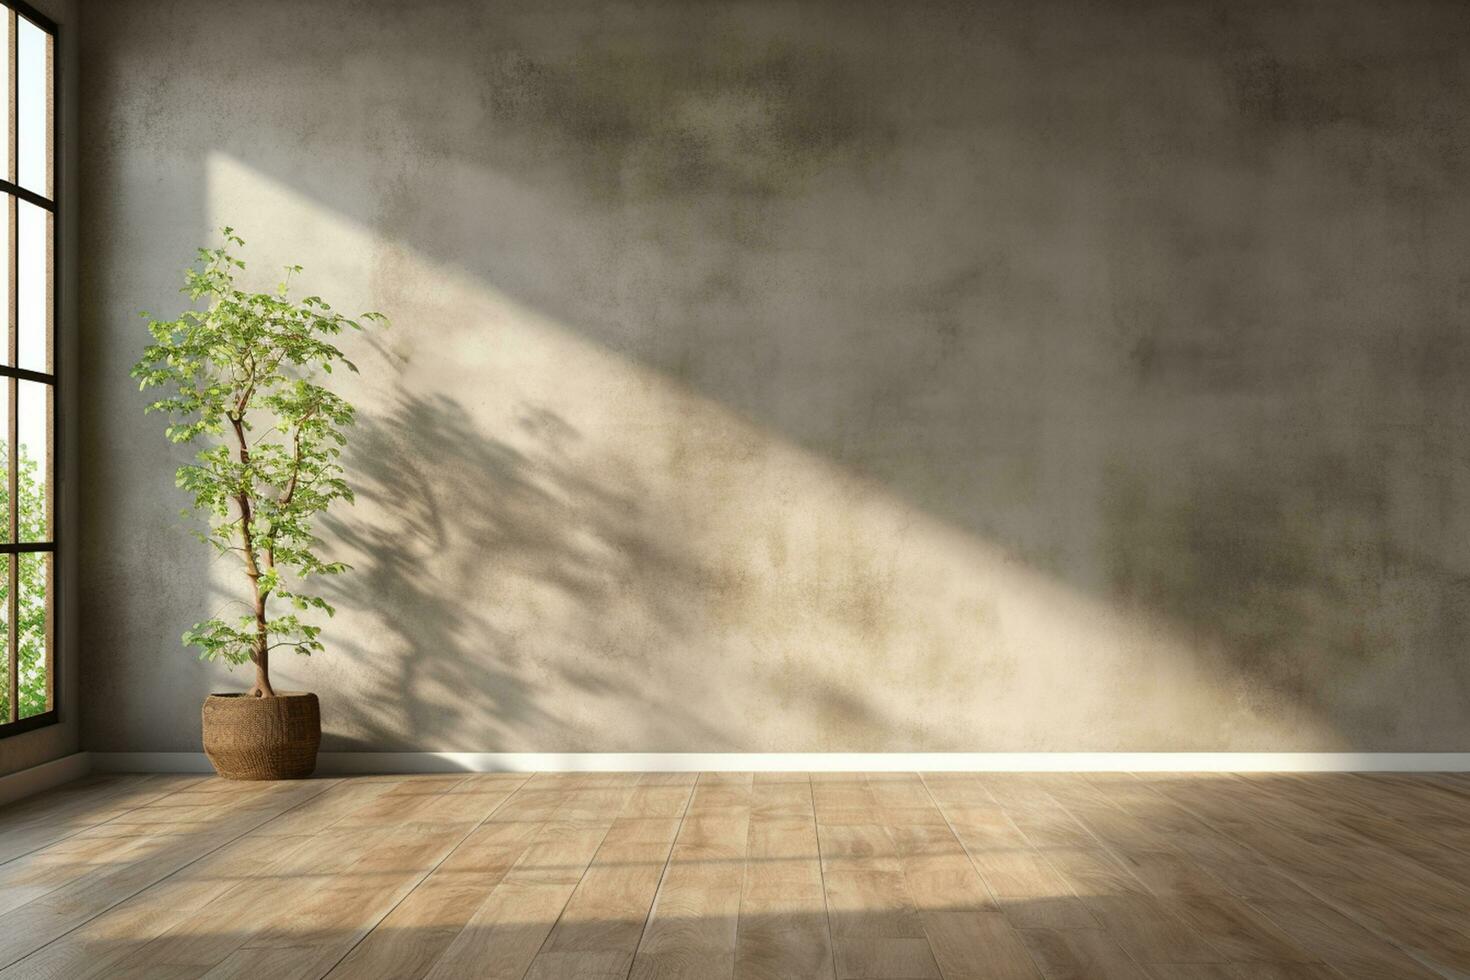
{"type": "Point", "coordinates": [262, 738]}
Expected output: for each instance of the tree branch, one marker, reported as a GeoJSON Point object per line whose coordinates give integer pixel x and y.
{"type": "Point", "coordinates": [285, 501]}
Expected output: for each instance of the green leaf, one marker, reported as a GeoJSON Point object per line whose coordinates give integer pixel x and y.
{"type": "Point", "coordinates": [239, 366]}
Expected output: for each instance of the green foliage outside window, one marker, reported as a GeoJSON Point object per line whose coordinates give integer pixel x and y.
{"type": "Point", "coordinates": [31, 493]}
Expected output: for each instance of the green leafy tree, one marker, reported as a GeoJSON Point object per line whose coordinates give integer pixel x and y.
{"type": "Point", "coordinates": [240, 375]}
{"type": "Point", "coordinates": [31, 573]}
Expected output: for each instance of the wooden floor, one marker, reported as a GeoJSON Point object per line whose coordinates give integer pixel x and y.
{"type": "Point", "coordinates": [721, 875]}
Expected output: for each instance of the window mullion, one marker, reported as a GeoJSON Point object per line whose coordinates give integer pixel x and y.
{"type": "Point", "coordinates": [12, 456]}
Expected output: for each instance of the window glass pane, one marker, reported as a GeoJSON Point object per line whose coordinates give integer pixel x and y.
{"type": "Point", "coordinates": [5, 387]}
{"type": "Point", "coordinates": [33, 146]}
{"type": "Point", "coordinates": [7, 206]}
{"type": "Point", "coordinates": [34, 233]}
{"type": "Point", "coordinates": [33, 633]}
{"type": "Point", "coordinates": [6, 20]}
{"type": "Point", "coordinates": [5, 638]}
{"type": "Point", "coordinates": [33, 477]}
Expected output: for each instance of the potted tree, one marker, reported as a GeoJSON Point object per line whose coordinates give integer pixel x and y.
{"type": "Point", "coordinates": [239, 372]}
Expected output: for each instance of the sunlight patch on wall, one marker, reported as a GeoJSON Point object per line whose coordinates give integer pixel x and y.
{"type": "Point", "coordinates": [559, 549]}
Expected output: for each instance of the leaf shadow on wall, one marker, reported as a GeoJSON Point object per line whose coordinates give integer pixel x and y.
{"type": "Point", "coordinates": [446, 511]}
{"type": "Point", "coordinates": [1161, 442]}
{"type": "Point", "coordinates": [1071, 301]}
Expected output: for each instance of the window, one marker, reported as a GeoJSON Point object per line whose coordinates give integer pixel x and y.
{"type": "Point", "coordinates": [28, 369]}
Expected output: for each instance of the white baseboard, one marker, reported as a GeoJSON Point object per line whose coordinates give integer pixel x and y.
{"type": "Point", "coordinates": [151, 762]}
{"type": "Point", "coordinates": [343, 763]}
{"type": "Point", "coordinates": [48, 775]}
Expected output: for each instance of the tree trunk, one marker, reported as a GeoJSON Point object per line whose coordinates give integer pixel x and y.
{"type": "Point", "coordinates": [262, 688]}
{"type": "Point", "coordinates": [261, 654]}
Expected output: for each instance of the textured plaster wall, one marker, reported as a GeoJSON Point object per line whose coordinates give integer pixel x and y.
{"type": "Point", "coordinates": [819, 376]}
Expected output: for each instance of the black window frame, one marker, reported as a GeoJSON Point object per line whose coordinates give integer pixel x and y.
{"type": "Point", "coordinates": [13, 375]}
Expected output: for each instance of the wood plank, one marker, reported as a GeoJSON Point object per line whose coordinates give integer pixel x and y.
{"type": "Point", "coordinates": [1028, 889]}
{"type": "Point", "coordinates": [1238, 931]}
{"type": "Point", "coordinates": [579, 965]}
{"type": "Point", "coordinates": [977, 945]}
{"type": "Point", "coordinates": [259, 906]}
{"type": "Point", "coordinates": [968, 932]}
{"type": "Point", "coordinates": [1244, 971]}
{"type": "Point", "coordinates": [1228, 925]}
{"type": "Point", "coordinates": [1408, 816]}
{"type": "Point", "coordinates": [783, 930]}
{"type": "Point", "coordinates": [96, 948]}
{"type": "Point", "coordinates": [1149, 928]}
{"type": "Point", "coordinates": [504, 934]}
{"type": "Point", "coordinates": [1341, 942]}
{"type": "Point", "coordinates": [604, 918]}
{"type": "Point", "coordinates": [958, 876]}
{"type": "Point", "coordinates": [875, 924]}
{"type": "Point", "coordinates": [693, 927]}
{"type": "Point", "coordinates": [1079, 954]}
{"type": "Point", "coordinates": [1397, 899]}
{"type": "Point", "coordinates": [185, 834]}
{"type": "Point", "coordinates": [48, 818]}
{"type": "Point", "coordinates": [198, 942]}
{"type": "Point", "coordinates": [886, 958]}
{"type": "Point", "coordinates": [417, 932]}
{"type": "Point", "coordinates": [324, 927]}
{"type": "Point", "coordinates": [1244, 872]}
{"type": "Point", "coordinates": [98, 791]}
{"type": "Point", "coordinates": [938, 894]}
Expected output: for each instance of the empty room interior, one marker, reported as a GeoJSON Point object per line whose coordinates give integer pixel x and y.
{"type": "Point", "coordinates": [655, 489]}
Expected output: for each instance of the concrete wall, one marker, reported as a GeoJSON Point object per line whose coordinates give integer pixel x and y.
{"type": "Point", "coordinates": [777, 376]}
{"type": "Point", "coordinates": [63, 738]}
